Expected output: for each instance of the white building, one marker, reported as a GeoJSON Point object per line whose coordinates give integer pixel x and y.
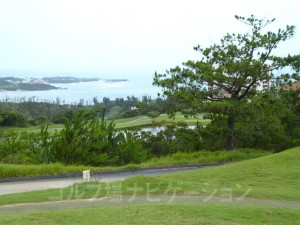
{"type": "Point", "coordinates": [266, 85]}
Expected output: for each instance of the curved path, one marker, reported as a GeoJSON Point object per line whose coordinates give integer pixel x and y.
{"type": "Point", "coordinates": [135, 120]}
{"type": "Point", "coordinates": [186, 197]}
{"type": "Point", "coordinates": [44, 184]}
{"type": "Point", "coordinates": [126, 200]}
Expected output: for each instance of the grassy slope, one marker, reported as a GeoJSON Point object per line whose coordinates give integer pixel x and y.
{"type": "Point", "coordinates": [275, 176]}
{"type": "Point", "coordinates": [33, 129]}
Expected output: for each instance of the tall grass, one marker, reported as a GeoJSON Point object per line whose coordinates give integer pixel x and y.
{"type": "Point", "coordinates": [207, 157]}
{"type": "Point", "coordinates": [9, 170]}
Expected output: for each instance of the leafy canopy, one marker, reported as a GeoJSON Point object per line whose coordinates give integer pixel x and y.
{"type": "Point", "coordinates": [234, 66]}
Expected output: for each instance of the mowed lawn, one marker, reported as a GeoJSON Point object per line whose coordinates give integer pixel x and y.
{"type": "Point", "coordinates": [161, 214]}
{"type": "Point", "coordinates": [138, 121]}
{"type": "Point", "coordinates": [273, 177]}
{"type": "Point", "coordinates": [163, 119]}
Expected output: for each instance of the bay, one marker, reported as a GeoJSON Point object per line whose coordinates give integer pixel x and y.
{"type": "Point", "coordinates": [74, 92]}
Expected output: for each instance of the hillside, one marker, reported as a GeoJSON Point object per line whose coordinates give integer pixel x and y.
{"type": "Point", "coordinates": [274, 176]}
{"type": "Point", "coordinates": [200, 197]}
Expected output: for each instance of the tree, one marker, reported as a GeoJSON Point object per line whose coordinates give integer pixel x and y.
{"type": "Point", "coordinates": [265, 123]}
{"type": "Point", "coordinates": [228, 72]}
{"type": "Point", "coordinates": [153, 114]}
{"type": "Point", "coordinates": [13, 118]}
{"type": "Point", "coordinates": [41, 119]}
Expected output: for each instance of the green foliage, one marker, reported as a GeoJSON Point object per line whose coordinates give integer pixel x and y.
{"type": "Point", "coordinates": [229, 71]}
{"type": "Point", "coordinates": [13, 148]}
{"type": "Point", "coordinates": [40, 120]}
{"type": "Point", "coordinates": [22, 170]}
{"type": "Point", "coordinates": [12, 118]}
{"type": "Point", "coordinates": [89, 141]}
{"type": "Point", "coordinates": [172, 139]}
{"type": "Point", "coordinates": [60, 113]}
{"type": "Point", "coordinates": [131, 149]}
{"type": "Point", "coordinates": [213, 135]}
{"type": "Point", "coordinates": [40, 145]}
{"type": "Point", "coordinates": [130, 113]}
{"type": "Point", "coordinates": [85, 140]}
{"type": "Point", "coordinates": [267, 122]}
{"type": "Point", "coordinates": [35, 86]}
{"type": "Point", "coordinates": [261, 124]}
{"type": "Point", "coordinates": [153, 114]}
{"type": "Point", "coordinates": [206, 156]}
{"type": "Point", "coordinates": [26, 148]}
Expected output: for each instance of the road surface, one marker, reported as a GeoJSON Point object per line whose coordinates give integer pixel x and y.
{"type": "Point", "coordinates": [44, 184]}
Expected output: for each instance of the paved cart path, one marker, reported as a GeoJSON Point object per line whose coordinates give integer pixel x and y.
{"type": "Point", "coordinates": [44, 184]}
{"type": "Point", "coordinates": [22, 186]}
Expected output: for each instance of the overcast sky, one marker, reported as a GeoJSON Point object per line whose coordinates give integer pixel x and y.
{"type": "Point", "coordinates": [123, 38]}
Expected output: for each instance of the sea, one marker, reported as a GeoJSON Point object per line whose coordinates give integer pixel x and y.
{"type": "Point", "coordinates": [72, 93]}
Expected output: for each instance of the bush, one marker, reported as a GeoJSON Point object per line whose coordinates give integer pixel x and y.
{"type": "Point", "coordinates": [153, 114]}
{"type": "Point", "coordinates": [93, 142]}
{"type": "Point", "coordinates": [171, 140]}
{"type": "Point", "coordinates": [12, 118]}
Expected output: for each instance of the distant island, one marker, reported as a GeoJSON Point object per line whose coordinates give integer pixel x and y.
{"type": "Point", "coordinates": [40, 84]}
{"type": "Point", "coordinates": [24, 84]}
{"type": "Point", "coordinates": [62, 80]}
{"type": "Point", "coordinates": [116, 80]}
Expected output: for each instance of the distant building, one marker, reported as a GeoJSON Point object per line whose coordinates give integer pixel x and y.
{"type": "Point", "coordinates": [266, 85]}
{"type": "Point", "coordinates": [294, 86]}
